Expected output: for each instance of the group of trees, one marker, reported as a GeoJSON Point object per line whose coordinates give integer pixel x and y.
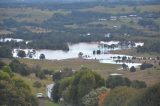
{"type": "Point", "coordinates": [115, 81]}
{"type": "Point", "coordinates": [87, 88]}
{"type": "Point", "coordinates": [72, 89]}
{"type": "Point", "coordinates": [5, 52]}
{"type": "Point", "coordinates": [21, 68]}
{"type": "Point", "coordinates": [126, 96]}
{"type": "Point", "coordinates": [14, 91]}
{"type": "Point", "coordinates": [146, 65]}
{"type": "Point", "coordinates": [149, 47]}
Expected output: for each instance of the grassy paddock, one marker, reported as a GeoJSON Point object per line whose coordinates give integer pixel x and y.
{"type": "Point", "coordinates": [31, 79]}
{"type": "Point", "coordinates": [122, 9]}
{"type": "Point", "coordinates": [150, 76]}
{"type": "Point", "coordinates": [34, 15]}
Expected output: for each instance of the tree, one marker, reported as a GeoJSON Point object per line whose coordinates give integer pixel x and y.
{"type": "Point", "coordinates": [42, 56]}
{"type": "Point", "coordinates": [20, 68]}
{"type": "Point", "coordinates": [124, 66]}
{"type": "Point", "coordinates": [95, 97]}
{"type": "Point", "coordinates": [115, 81]}
{"type": "Point", "coordinates": [14, 91]}
{"type": "Point", "coordinates": [147, 97]}
{"type": "Point", "coordinates": [21, 54]}
{"type": "Point", "coordinates": [146, 65]}
{"type": "Point", "coordinates": [132, 69]}
{"type": "Point", "coordinates": [98, 52]}
{"type": "Point", "coordinates": [5, 52]}
{"type": "Point", "coordinates": [80, 54]}
{"type": "Point", "coordinates": [119, 96]}
{"type": "Point", "coordinates": [2, 64]}
{"type": "Point", "coordinates": [40, 74]}
{"type": "Point", "coordinates": [83, 82]}
{"type": "Point", "coordinates": [55, 92]}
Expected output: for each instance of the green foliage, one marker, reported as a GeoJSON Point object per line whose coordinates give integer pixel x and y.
{"type": "Point", "coordinates": [1, 64]}
{"type": "Point", "coordinates": [5, 52]}
{"type": "Point", "coordinates": [20, 68]}
{"type": "Point", "coordinates": [115, 81]}
{"type": "Point", "coordinates": [42, 56]}
{"type": "Point", "coordinates": [138, 84]}
{"type": "Point", "coordinates": [8, 70]}
{"type": "Point", "coordinates": [40, 74]}
{"type": "Point", "coordinates": [146, 65]}
{"type": "Point", "coordinates": [132, 69]}
{"type": "Point", "coordinates": [55, 93]}
{"type": "Point", "coordinates": [21, 54]}
{"type": "Point", "coordinates": [120, 96]}
{"type": "Point", "coordinates": [64, 83]}
{"type": "Point", "coordinates": [149, 47]}
{"type": "Point", "coordinates": [83, 82]}
{"type": "Point", "coordinates": [37, 84]}
{"type": "Point", "coordinates": [66, 72]}
{"type": "Point", "coordinates": [91, 99]}
{"type": "Point", "coordinates": [14, 91]}
{"type": "Point", "coordinates": [148, 97]}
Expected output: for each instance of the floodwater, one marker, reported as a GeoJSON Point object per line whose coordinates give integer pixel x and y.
{"type": "Point", "coordinates": [87, 50]}
{"type": "Point", "coordinates": [74, 49]}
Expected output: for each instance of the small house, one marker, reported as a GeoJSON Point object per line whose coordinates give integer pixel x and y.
{"type": "Point", "coordinates": [49, 90]}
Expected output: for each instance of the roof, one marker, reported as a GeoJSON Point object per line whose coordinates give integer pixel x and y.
{"type": "Point", "coordinates": [50, 86]}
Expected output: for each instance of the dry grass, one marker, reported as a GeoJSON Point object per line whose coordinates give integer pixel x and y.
{"type": "Point", "coordinates": [36, 29]}
{"type": "Point", "coordinates": [150, 76]}
{"type": "Point", "coordinates": [32, 78]}
{"type": "Point", "coordinates": [5, 32]}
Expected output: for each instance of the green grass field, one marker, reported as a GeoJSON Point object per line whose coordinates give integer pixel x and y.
{"type": "Point", "coordinates": [123, 9]}
{"type": "Point", "coordinates": [34, 15]}
{"type": "Point", "coordinates": [103, 69]}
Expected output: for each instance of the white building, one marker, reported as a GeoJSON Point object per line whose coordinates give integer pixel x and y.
{"type": "Point", "coordinates": [49, 90]}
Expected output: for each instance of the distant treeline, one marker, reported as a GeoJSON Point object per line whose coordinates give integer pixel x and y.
{"type": "Point", "coordinates": [150, 47]}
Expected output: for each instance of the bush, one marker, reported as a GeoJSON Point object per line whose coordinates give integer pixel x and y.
{"type": "Point", "coordinates": [119, 96]}
{"type": "Point", "coordinates": [20, 68]}
{"type": "Point", "coordinates": [37, 84]}
{"type": "Point", "coordinates": [2, 64]}
{"type": "Point", "coordinates": [147, 97]}
{"type": "Point", "coordinates": [40, 74]}
{"type": "Point", "coordinates": [5, 52]}
{"type": "Point", "coordinates": [66, 72]}
{"type": "Point", "coordinates": [95, 97]}
{"type": "Point", "coordinates": [146, 65]}
{"type": "Point", "coordinates": [138, 84]}
{"type": "Point", "coordinates": [42, 56]}
{"type": "Point", "coordinates": [82, 83]}
{"type": "Point", "coordinates": [132, 69]}
{"type": "Point", "coordinates": [14, 91]}
{"type": "Point", "coordinates": [21, 54]}
{"type": "Point", "coordinates": [115, 81]}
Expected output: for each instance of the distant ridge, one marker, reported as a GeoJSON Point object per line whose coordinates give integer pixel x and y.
{"type": "Point", "coordinates": [70, 1]}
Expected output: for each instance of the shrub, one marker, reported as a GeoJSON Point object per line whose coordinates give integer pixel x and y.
{"type": "Point", "coordinates": [146, 65]}
{"type": "Point", "coordinates": [37, 84]}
